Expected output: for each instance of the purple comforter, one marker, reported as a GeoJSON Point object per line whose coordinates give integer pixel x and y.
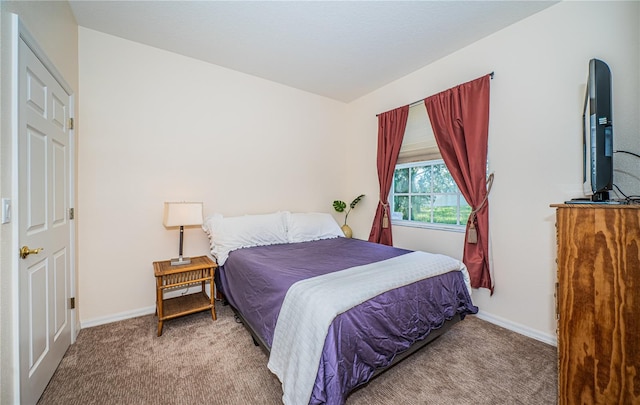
{"type": "Point", "coordinates": [367, 337]}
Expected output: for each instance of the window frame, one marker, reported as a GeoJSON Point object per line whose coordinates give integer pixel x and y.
{"type": "Point", "coordinates": [461, 227]}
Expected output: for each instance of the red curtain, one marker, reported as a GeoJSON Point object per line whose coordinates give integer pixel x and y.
{"type": "Point", "coordinates": [391, 126]}
{"type": "Point", "coordinates": [460, 121]}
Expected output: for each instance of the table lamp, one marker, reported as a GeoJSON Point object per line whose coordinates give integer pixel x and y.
{"type": "Point", "coordinates": [182, 214]}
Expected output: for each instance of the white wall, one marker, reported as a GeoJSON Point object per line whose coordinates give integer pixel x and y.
{"type": "Point", "coordinates": [156, 127]}
{"type": "Point", "coordinates": [535, 146]}
{"type": "Point", "coordinates": [53, 26]}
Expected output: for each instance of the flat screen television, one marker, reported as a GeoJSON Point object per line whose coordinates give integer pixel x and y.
{"type": "Point", "coordinates": [598, 133]}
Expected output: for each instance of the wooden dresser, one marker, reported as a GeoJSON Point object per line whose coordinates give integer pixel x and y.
{"type": "Point", "coordinates": [598, 304]}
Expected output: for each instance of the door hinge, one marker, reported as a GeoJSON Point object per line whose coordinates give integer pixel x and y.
{"type": "Point", "coordinates": [556, 299]}
{"type": "Point", "coordinates": [72, 213]}
{"type": "Point", "coordinates": [72, 303]}
{"type": "Point", "coordinates": [70, 123]}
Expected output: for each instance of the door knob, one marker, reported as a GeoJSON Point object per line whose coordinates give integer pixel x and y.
{"type": "Point", "coordinates": [25, 251]}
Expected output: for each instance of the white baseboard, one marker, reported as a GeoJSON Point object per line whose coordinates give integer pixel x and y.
{"type": "Point", "coordinates": [138, 312]}
{"type": "Point", "coordinates": [118, 317]}
{"type": "Point", "coordinates": [505, 323]}
{"type": "Point", "coordinates": [518, 328]}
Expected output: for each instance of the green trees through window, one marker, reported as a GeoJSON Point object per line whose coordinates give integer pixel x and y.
{"type": "Point", "coordinates": [425, 193]}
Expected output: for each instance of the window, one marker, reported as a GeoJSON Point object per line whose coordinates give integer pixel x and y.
{"type": "Point", "coordinates": [425, 194]}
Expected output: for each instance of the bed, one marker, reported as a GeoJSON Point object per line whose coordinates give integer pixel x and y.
{"type": "Point", "coordinates": [331, 312]}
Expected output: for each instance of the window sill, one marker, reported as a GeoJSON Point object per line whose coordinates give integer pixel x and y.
{"type": "Point", "coordinates": [436, 227]}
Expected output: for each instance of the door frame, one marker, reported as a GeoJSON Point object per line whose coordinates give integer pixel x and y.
{"type": "Point", "coordinates": [19, 32]}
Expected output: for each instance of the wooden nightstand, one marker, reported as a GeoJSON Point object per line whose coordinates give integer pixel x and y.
{"type": "Point", "coordinates": [200, 270]}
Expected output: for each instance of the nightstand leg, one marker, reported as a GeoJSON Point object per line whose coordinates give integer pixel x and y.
{"type": "Point", "coordinates": [159, 297]}
{"type": "Point", "coordinates": [212, 296]}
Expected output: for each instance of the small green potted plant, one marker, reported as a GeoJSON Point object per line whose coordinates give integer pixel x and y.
{"type": "Point", "coordinates": [340, 206]}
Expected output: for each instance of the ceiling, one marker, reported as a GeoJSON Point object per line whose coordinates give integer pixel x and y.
{"type": "Point", "coordinates": [337, 49]}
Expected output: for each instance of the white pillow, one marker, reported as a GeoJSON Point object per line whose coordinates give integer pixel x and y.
{"type": "Point", "coordinates": [229, 234]}
{"type": "Point", "coordinates": [312, 226]}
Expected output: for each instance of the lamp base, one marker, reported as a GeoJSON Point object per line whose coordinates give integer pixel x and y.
{"type": "Point", "coordinates": [180, 261]}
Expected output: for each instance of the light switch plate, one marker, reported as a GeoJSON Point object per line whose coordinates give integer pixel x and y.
{"type": "Point", "coordinates": [6, 210]}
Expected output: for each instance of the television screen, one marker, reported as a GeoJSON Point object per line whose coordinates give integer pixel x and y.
{"type": "Point", "coordinates": [598, 133]}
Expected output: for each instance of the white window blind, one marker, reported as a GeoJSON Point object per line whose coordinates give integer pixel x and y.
{"type": "Point", "coordinates": [418, 143]}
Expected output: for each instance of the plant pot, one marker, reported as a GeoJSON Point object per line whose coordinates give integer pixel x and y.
{"type": "Point", "coordinates": [346, 229]}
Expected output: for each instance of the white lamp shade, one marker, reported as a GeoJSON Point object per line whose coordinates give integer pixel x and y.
{"type": "Point", "coordinates": [182, 214]}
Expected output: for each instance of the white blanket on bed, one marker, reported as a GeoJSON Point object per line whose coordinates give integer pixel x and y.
{"type": "Point", "coordinates": [310, 306]}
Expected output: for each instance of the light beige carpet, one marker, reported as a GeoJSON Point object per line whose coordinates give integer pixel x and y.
{"type": "Point", "coordinates": [199, 361]}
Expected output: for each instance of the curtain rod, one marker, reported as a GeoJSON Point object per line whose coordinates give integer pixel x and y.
{"type": "Point", "coordinates": [420, 101]}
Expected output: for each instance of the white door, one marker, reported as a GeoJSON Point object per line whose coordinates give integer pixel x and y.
{"type": "Point", "coordinates": [43, 222]}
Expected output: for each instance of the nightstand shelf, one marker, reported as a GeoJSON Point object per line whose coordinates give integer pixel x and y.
{"type": "Point", "coordinates": [185, 305]}
{"type": "Point", "coordinates": [200, 271]}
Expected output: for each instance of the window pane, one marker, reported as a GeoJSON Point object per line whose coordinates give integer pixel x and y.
{"type": "Point", "coordinates": [445, 210]}
{"type": "Point", "coordinates": [401, 181]}
{"type": "Point", "coordinates": [465, 211]}
{"type": "Point", "coordinates": [400, 207]}
{"type": "Point", "coordinates": [424, 192]}
{"type": "Point", "coordinates": [421, 208]}
{"type": "Point", "coordinates": [421, 179]}
{"type": "Point", "coordinates": [442, 180]}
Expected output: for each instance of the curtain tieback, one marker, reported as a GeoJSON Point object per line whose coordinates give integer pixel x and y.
{"type": "Point", "coordinates": [472, 233]}
{"type": "Point", "coordinates": [385, 215]}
